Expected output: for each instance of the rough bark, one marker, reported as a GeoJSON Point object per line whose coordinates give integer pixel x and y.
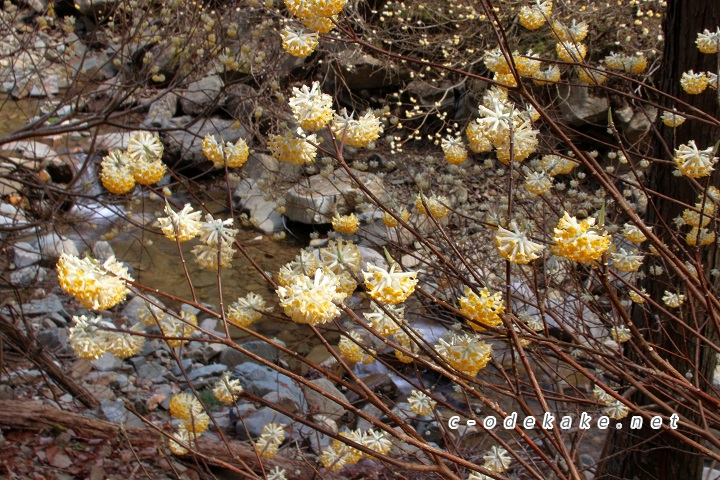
{"type": "Point", "coordinates": [647, 453]}
{"type": "Point", "coordinates": [33, 416]}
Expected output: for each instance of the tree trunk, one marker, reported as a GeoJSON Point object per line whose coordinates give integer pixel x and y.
{"type": "Point", "coordinates": [647, 453]}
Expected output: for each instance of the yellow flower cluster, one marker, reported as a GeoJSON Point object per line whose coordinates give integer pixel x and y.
{"type": "Point", "coordinates": [124, 344]}
{"type": "Point", "coordinates": [454, 150]}
{"type": "Point", "coordinates": [701, 236]}
{"type": "Point", "coordinates": [695, 163]}
{"type": "Point", "coordinates": [514, 245]}
{"type": "Point", "coordinates": [538, 183]}
{"type": "Point", "coordinates": [694, 83]}
{"type": "Point", "coordinates": [97, 287]}
{"type": "Point", "coordinates": [436, 205]}
{"type": "Point", "coordinates": [534, 16]}
{"type": "Point", "coordinates": [86, 339]}
{"type": "Point", "coordinates": [347, 224]}
{"type": "Point", "coordinates": [570, 51]}
{"type": "Point", "coordinates": [382, 322]}
{"type": "Point", "coordinates": [216, 237]}
{"type": "Point", "coordinates": [483, 310]}
{"type": "Point", "coordinates": [234, 155]}
{"type": "Point", "coordinates": [311, 108]}
{"type": "Point", "coordinates": [338, 454]}
{"type": "Point", "coordinates": [178, 328]}
{"type": "Point", "coordinates": [692, 216]}
{"type": "Point", "coordinates": [557, 165]}
{"type": "Point", "coordinates": [547, 76]}
{"type": "Point", "coordinates": [115, 173]}
{"type": "Point", "coordinates": [633, 233]}
{"type": "Point", "coordinates": [464, 352]}
{"type": "Point", "coordinates": [421, 403]}
{"type": "Point", "coordinates": [389, 286]}
{"type": "Point", "coordinates": [358, 132]}
{"type": "Point", "coordinates": [620, 334]}
{"type": "Point", "coordinates": [579, 241]}
{"type": "Point", "coordinates": [181, 226]}
{"type": "Point", "coordinates": [673, 300]}
{"type": "Point", "coordinates": [634, 64]}
{"type": "Point", "coordinates": [627, 261]}
{"type": "Point", "coordinates": [194, 421]}
{"type": "Point", "coordinates": [311, 300]}
{"type": "Point", "coordinates": [708, 42]}
{"type": "Point", "coordinates": [299, 42]}
{"type": "Point", "coordinates": [341, 255]}
{"type": "Point", "coordinates": [227, 390]}
{"type": "Point", "coordinates": [672, 119]}
{"type": "Point", "coordinates": [293, 149]}
{"type": "Point", "coordinates": [637, 297]}
{"type": "Point", "coordinates": [404, 340]}
{"type": "Point", "coordinates": [591, 77]}
{"type": "Point", "coordinates": [391, 222]}
{"type": "Point", "coordinates": [270, 440]}
{"type": "Point", "coordinates": [574, 33]}
{"type": "Point", "coordinates": [349, 347]}
{"type": "Point", "coordinates": [245, 311]}
{"type": "Point", "coordinates": [145, 150]}
{"type": "Point", "coordinates": [497, 459]}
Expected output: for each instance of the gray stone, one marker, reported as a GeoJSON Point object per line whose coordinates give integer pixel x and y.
{"type": "Point", "coordinates": [372, 411]}
{"type": "Point", "coordinates": [25, 255]}
{"type": "Point", "coordinates": [32, 150]}
{"type": "Point", "coordinates": [11, 211]}
{"type": "Point", "coordinates": [262, 167]}
{"type": "Point", "coordinates": [161, 111]}
{"type": "Point", "coordinates": [207, 371]}
{"type": "Point", "coordinates": [37, 5]}
{"type": "Point", "coordinates": [183, 147]}
{"type": "Point", "coordinates": [316, 200]}
{"type": "Point", "coordinates": [110, 141]}
{"type": "Point", "coordinates": [49, 87]}
{"type": "Point", "coordinates": [53, 245]}
{"type": "Point", "coordinates": [261, 380]}
{"type": "Point", "coordinates": [253, 424]}
{"type": "Point", "coordinates": [28, 276]}
{"type": "Point", "coordinates": [322, 404]}
{"type": "Point", "coordinates": [371, 256]}
{"type": "Point", "coordinates": [101, 251]}
{"type": "Point", "coordinates": [578, 107]}
{"type": "Point", "coordinates": [240, 100]}
{"type": "Point", "coordinates": [95, 65]}
{"type": "Point", "coordinates": [360, 70]}
{"type": "Point", "coordinates": [93, 7]}
{"type": "Point", "coordinates": [262, 213]}
{"type": "Point", "coordinates": [285, 401]}
{"type": "Point", "coordinates": [187, 365]}
{"type": "Point", "coordinates": [45, 306]}
{"type": "Point", "coordinates": [107, 363]}
{"type": "Point", "coordinates": [54, 339]}
{"type": "Point", "coordinates": [232, 357]}
{"type": "Point", "coordinates": [200, 96]}
{"type": "Point", "coordinates": [151, 371]}
{"type": "Point", "coordinates": [641, 123]}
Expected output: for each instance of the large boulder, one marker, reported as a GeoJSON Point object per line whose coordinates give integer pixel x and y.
{"type": "Point", "coordinates": [360, 70]}
{"type": "Point", "coordinates": [183, 147]}
{"type": "Point", "coordinates": [579, 108]}
{"type": "Point", "coordinates": [201, 96]}
{"type": "Point", "coordinates": [316, 200]}
{"type": "Point", "coordinates": [263, 213]}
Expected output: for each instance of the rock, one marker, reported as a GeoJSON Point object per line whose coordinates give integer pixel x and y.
{"type": "Point", "coordinates": [101, 251]}
{"type": "Point", "coordinates": [183, 147]}
{"type": "Point", "coordinates": [53, 245]}
{"type": "Point", "coordinates": [362, 71]}
{"type": "Point", "coordinates": [262, 213]}
{"type": "Point", "coordinates": [207, 371]}
{"type": "Point", "coordinates": [93, 7]}
{"type": "Point", "coordinates": [11, 211]}
{"type": "Point", "coordinates": [203, 352]}
{"type": "Point", "coordinates": [240, 101]}
{"type": "Point", "coordinates": [110, 141]}
{"type": "Point", "coordinates": [107, 363]}
{"type": "Point", "coordinates": [232, 357]}
{"type": "Point", "coordinates": [641, 123]}
{"type": "Point", "coordinates": [114, 411]}
{"type": "Point", "coordinates": [200, 95]}
{"type": "Point", "coordinates": [319, 403]}
{"type": "Point", "coordinates": [372, 411]}
{"type": "Point", "coordinates": [37, 5]}
{"type": "Point", "coordinates": [455, 101]}
{"type": "Point", "coordinates": [578, 107]}
{"type": "Point", "coordinates": [285, 401]}
{"type": "Point", "coordinates": [371, 256]}
{"type": "Point", "coordinates": [261, 380]}
{"type": "Point", "coordinates": [162, 111]}
{"type": "Point", "coordinates": [318, 199]}
{"type": "Point", "coordinates": [32, 150]}
{"type": "Point", "coordinates": [187, 364]}
{"type": "Point", "coordinates": [51, 304]}
{"type": "Point", "coordinates": [253, 424]}
{"type": "Point", "coordinates": [94, 65]}
{"type": "Point", "coordinates": [28, 276]}
{"type": "Point", "coordinates": [151, 371]}
{"type": "Point", "coordinates": [49, 87]}
{"type": "Point", "coordinates": [54, 339]}
{"type": "Point", "coordinates": [262, 167]}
